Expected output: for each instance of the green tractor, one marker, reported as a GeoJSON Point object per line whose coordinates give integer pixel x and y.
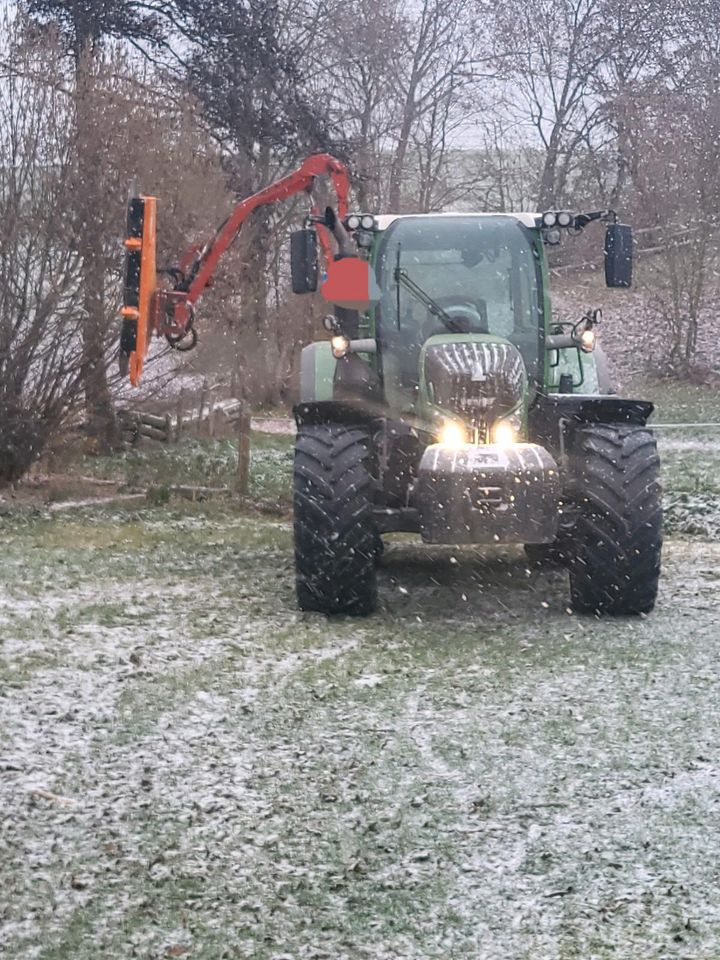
{"type": "Point", "coordinates": [451, 405]}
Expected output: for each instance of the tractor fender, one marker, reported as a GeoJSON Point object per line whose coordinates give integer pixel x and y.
{"type": "Point", "coordinates": [342, 412]}
{"type": "Point", "coordinates": [610, 409]}
{"type": "Point", "coordinates": [552, 414]}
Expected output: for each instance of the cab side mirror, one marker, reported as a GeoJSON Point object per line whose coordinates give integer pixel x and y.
{"type": "Point", "coordinates": [304, 260]}
{"type": "Point", "coordinates": [618, 255]}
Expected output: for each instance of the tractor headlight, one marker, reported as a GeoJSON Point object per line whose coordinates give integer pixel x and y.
{"type": "Point", "coordinates": [506, 431]}
{"type": "Point", "coordinates": [587, 341]}
{"type": "Point", "coordinates": [553, 237]}
{"type": "Point", "coordinates": [452, 435]}
{"type": "Point", "coordinates": [549, 219]}
{"type": "Point", "coordinates": [564, 218]}
{"type": "Point", "coordinates": [353, 221]}
{"type": "Point", "coordinates": [364, 238]}
{"type": "Point", "coordinates": [339, 346]}
{"type": "Point", "coordinates": [367, 221]}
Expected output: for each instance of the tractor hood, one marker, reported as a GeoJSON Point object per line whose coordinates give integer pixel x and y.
{"type": "Point", "coordinates": [477, 377]}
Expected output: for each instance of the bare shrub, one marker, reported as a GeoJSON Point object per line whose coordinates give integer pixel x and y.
{"type": "Point", "coordinates": [40, 344]}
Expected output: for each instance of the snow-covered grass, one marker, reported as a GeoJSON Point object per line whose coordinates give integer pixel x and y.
{"type": "Point", "coordinates": [690, 455]}
{"type": "Point", "coordinates": [679, 401]}
{"type": "Point", "coordinates": [190, 767]}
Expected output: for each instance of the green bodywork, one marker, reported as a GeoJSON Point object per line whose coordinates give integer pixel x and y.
{"type": "Point", "coordinates": [317, 372]}
{"type": "Point", "coordinates": [523, 248]}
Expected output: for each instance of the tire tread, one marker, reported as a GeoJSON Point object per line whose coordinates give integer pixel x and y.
{"type": "Point", "coordinates": [617, 540]}
{"type": "Point", "coordinates": [335, 535]}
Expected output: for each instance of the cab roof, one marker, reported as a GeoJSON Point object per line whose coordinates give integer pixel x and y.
{"type": "Point", "coordinates": [384, 220]}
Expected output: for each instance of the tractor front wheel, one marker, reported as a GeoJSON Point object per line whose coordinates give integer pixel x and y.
{"type": "Point", "coordinates": [336, 540]}
{"type": "Point", "coordinates": [617, 539]}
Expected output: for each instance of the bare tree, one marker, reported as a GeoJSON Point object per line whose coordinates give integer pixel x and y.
{"type": "Point", "coordinates": [40, 269]}
{"type": "Point", "coordinates": [359, 44]}
{"type": "Point", "coordinates": [84, 28]}
{"type": "Point", "coordinates": [551, 50]}
{"type": "Point", "coordinates": [436, 62]}
{"type": "Point", "coordinates": [636, 35]}
{"type": "Point", "coordinates": [677, 200]}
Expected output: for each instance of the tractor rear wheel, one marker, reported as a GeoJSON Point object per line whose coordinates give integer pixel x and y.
{"type": "Point", "coordinates": [617, 539]}
{"type": "Point", "coordinates": [336, 540]}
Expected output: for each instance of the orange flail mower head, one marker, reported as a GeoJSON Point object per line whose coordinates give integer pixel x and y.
{"type": "Point", "coordinates": [140, 283]}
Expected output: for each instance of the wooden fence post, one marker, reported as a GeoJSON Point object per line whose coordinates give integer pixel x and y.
{"type": "Point", "coordinates": [203, 400]}
{"type": "Point", "coordinates": [179, 416]}
{"type": "Point", "coordinates": [211, 416]}
{"type": "Point", "coordinates": [243, 466]}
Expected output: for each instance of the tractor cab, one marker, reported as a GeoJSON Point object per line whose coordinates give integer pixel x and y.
{"type": "Point", "coordinates": [459, 325]}
{"type": "Point", "coordinates": [458, 332]}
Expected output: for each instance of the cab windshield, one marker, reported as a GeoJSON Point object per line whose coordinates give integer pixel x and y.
{"type": "Point", "coordinates": [483, 274]}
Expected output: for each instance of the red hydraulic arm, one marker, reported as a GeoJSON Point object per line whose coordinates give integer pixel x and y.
{"type": "Point", "coordinates": [169, 312]}
{"type": "Point", "coordinates": [203, 263]}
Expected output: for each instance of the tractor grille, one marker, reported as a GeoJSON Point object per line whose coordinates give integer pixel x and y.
{"type": "Point", "coordinates": [478, 380]}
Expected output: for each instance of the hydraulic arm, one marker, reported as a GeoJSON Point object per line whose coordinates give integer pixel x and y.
{"type": "Point", "coordinates": [150, 310]}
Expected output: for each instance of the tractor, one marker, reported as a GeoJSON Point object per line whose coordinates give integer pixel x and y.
{"type": "Point", "coordinates": [445, 401]}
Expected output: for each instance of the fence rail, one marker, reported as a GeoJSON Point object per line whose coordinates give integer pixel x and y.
{"type": "Point", "coordinates": [683, 426]}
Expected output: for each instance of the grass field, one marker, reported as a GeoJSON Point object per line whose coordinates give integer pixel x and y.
{"type": "Point", "coordinates": [191, 768]}
{"type": "Point", "coordinates": [690, 455]}
{"type": "Point", "coordinates": [680, 402]}
{"type": "Point", "coordinates": [202, 462]}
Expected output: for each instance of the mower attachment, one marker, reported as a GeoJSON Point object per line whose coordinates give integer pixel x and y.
{"type": "Point", "coordinates": [147, 309]}
{"type": "Point", "coordinates": [140, 281]}
{"type": "Point", "coordinates": [487, 494]}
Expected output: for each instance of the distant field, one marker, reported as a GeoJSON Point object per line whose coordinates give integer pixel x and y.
{"type": "Point", "coordinates": [690, 455]}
